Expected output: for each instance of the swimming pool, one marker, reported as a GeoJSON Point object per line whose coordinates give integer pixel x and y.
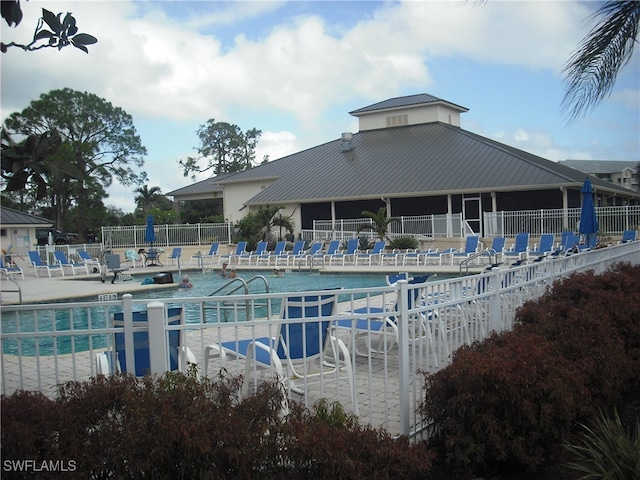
{"type": "Point", "coordinates": [79, 318]}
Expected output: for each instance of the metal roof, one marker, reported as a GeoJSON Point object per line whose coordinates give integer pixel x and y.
{"type": "Point", "coordinates": [417, 160]}
{"type": "Point", "coordinates": [209, 185]}
{"type": "Point", "coordinates": [9, 216]}
{"type": "Point", "coordinates": [407, 101]}
{"type": "Point", "coordinates": [601, 166]}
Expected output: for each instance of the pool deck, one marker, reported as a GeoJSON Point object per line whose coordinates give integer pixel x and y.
{"type": "Point", "coordinates": [44, 289]}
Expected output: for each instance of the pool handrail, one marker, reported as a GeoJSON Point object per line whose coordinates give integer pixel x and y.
{"type": "Point", "coordinates": [243, 284]}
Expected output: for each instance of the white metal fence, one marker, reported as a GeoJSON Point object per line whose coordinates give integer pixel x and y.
{"type": "Point", "coordinates": [44, 345]}
{"type": "Point", "coordinates": [611, 220]}
{"type": "Point", "coordinates": [133, 236]}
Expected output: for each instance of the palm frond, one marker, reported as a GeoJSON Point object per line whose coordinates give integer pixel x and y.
{"type": "Point", "coordinates": [591, 72]}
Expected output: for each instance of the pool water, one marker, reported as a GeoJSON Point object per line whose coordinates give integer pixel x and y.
{"type": "Point", "coordinates": [207, 283]}
{"type": "Point", "coordinates": [203, 285]}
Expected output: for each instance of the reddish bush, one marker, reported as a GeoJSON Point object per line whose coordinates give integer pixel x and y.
{"type": "Point", "coordinates": [511, 399]}
{"type": "Point", "coordinates": [177, 427]}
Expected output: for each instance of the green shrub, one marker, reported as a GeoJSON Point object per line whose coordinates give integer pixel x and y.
{"type": "Point", "coordinates": [404, 243]}
{"type": "Point", "coordinates": [607, 451]}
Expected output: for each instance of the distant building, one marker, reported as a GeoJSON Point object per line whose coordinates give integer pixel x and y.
{"type": "Point", "coordinates": [411, 156]}
{"type": "Point", "coordinates": [622, 173]}
{"type": "Point", "coordinates": [18, 230]}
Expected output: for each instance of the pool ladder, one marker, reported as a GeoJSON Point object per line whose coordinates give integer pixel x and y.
{"type": "Point", "coordinates": [19, 289]}
{"type": "Point", "coordinates": [231, 305]}
{"type": "Point", "coordinates": [493, 256]}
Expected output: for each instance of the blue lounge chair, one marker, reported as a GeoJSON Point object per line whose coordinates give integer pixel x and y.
{"type": "Point", "coordinates": [628, 236]}
{"type": "Point", "coordinates": [210, 255]}
{"type": "Point", "coordinates": [438, 255]}
{"type": "Point", "coordinates": [308, 255]}
{"type": "Point", "coordinates": [298, 346]}
{"type": "Point", "coordinates": [260, 250]}
{"type": "Point", "coordinates": [381, 322]}
{"type": "Point", "coordinates": [348, 253]}
{"type": "Point", "coordinates": [520, 247]}
{"type": "Point", "coordinates": [64, 262]}
{"type": "Point", "coordinates": [91, 263]}
{"type": "Point", "coordinates": [113, 361]}
{"type": "Point", "coordinates": [332, 249]}
{"type": "Point", "coordinates": [39, 265]}
{"type": "Point", "coordinates": [241, 249]}
{"type": "Point", "coordinates": [569, 245]}
{"type": "Point", "coordinates": [10, 270]}
{"type": "Point", "coordinates": [175, 256]}
{"type": "Point", "coordinates": [545, 247]}
{"type": "Point", "coordinates": [374, 255]}
{"type": "Point", "coordinates": [297, 249]}
{"type": "Point", "coordinates": [496, 250]}
{"type": "Point", "coordinates": [279, 250]}
{"type": "Point", "coordinates": [471, 247]}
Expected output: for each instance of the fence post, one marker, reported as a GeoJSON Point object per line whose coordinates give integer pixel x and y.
{"type": "Point", "coordinates": [403, 356]}
{"type": "Point", "coordinates": [495, 324]}
{"type": "Point", "coordinates": [157, 338]}
{"type": "Point", "coordinates": [127, 317]}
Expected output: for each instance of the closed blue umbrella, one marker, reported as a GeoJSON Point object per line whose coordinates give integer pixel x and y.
{"type": "Point", "coordinates": [588, 219]}
{"type": "Point", "coordinates": [150, 234]}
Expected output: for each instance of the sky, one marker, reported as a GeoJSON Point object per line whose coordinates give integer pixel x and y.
{"type": "Point", "coordinates": [295, 69]}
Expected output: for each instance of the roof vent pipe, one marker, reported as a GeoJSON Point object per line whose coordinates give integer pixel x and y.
{"type": "Point", "coordinates": [347, 146]}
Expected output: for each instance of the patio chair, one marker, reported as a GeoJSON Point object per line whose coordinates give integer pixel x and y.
{"type": "Point", "coordinates": [308, 255]}
{"type": "Point", "coordinates": [381, 322]}
{"type": "Point", "coordinates": [348, 253]}
{"type": "Point", "coordinates": [269, 256]}
{"type": "Point", "coordinates": [299, 348]}
{"type": "Point", "coordinates": [91, 263]}
{"type": "Point", "coordinates": [568, 245]}
{"type": "Point", "coordinates": [545, 247]}
{"type": "Point", "coordinates": [438, 255]}
{"type": "Point", "coordinates": [64, 262]}
{"type": "Point", "coordinates": [113, 361]}
{"type": "Point", "coordinates": [260, 250]}
{"type": "Point", "coordinates": [628, 236]}
{"type": "Point", "coordinates": [213, 252]}
{"type": "Point", "coordinates": [175, 256]}
{"type": "Point", "coordinates": [332, 249]}
{"type": "Point", "coordinates": [471, 247]}
{"type": "Point", "coordinates": [39, 265]}
{"type": "Point", "coordinates": [10, 270]}
{"type": "Point", "coordinates": [374, 254]}
{"type": "Point", "coordinates": [414, 257]}
{"type": "Point", "coordinates": [520, 248]}
{"type": "Point", "coordinates": [496, 250]}
{"type": "Point", "coordinates": [241, 249]}
{"type": "Point", "coordinates": [132, 256]}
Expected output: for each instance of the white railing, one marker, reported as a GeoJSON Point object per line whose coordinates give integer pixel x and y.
{"type": "Point", "coordinates": [133, 236]}
{"type": "Point", "coordinates": [420, 226]}
{"type": "Point", "coordinates": [44, 345]}
{"type": "Point", "coordinates": [612, 221]}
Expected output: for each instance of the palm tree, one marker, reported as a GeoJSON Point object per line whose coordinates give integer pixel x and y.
{"type": "Point", "coordinates": [380, 223]}
{"type": "Point", "coordinates": [591, 71]}
{"type": "Point", "coordinates": [268, 217]}
{"type": "Point", "coordinates": [146, 196]}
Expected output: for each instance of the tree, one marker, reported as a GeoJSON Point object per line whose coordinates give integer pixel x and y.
{"type": "Point", "coordinates": [592, 70]}
{"type": "Point", "coordinates": [224, 147]}
{"type": "Point", "coordinates": [98, 143]}
{"type": "Point", "coordinates": [380, 222]}
{"type": "Point", "coordinates": [268, 217]}
{"type": "Point", "coordinates": [62, 31]}
{"type": "Point", "coordinates": [147, 197]}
